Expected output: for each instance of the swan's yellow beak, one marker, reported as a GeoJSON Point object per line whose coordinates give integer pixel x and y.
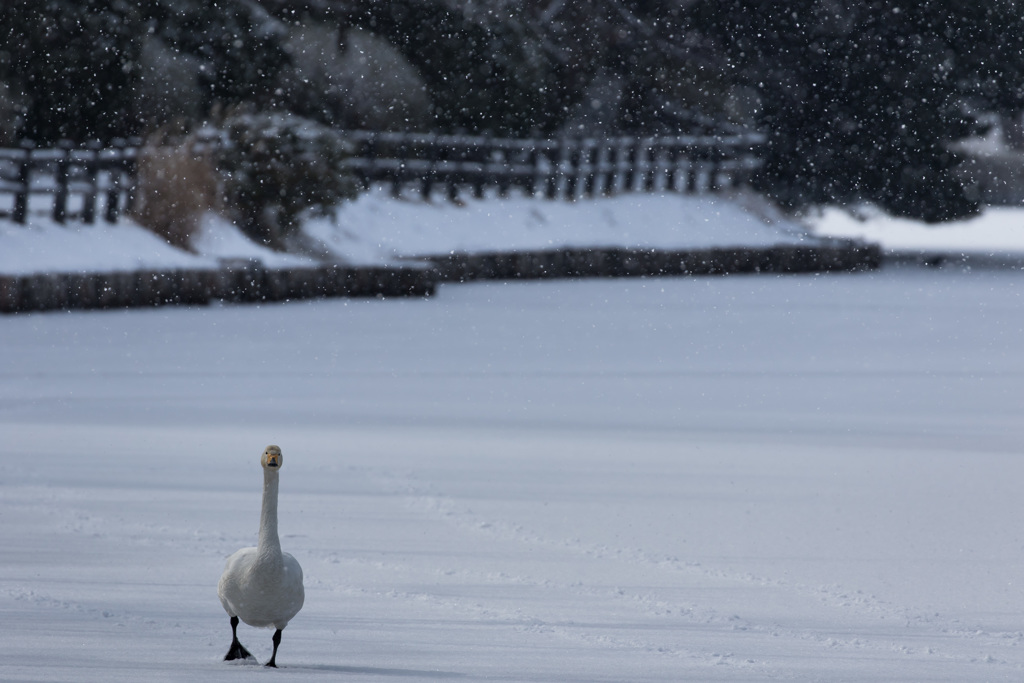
{"type": "Point", "coordinates": [272, 457]}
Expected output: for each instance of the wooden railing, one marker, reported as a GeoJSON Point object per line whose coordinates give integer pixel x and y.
{"type": "Point", "coordinates": [84, 184]}
{"type": "Point", "coordinates": [566, 168]}
{"type": "Point", "coordinates": [78, 183]}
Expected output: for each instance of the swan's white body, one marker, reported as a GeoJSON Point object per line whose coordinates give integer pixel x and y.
{"type": "Point", "coordinates": [261, 593]}
{"type": "Point", "coordinates": [262, 586]}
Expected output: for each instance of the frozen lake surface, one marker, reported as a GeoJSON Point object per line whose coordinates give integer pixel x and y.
{"type": "Point", "coordinates": [734, 478]}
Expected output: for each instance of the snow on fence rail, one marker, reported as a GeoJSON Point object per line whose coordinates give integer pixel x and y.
{"type": "Point", "coordinates": [85, 183]}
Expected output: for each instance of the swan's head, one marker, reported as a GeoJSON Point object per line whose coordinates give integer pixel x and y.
{"type": "Point", "coordinates": [272, 459]}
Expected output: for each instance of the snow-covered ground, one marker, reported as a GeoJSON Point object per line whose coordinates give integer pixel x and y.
{"type": "Point", "coordinates": [740, 478]}
{"type": "Point", "coordinates": [995, 236]}
{"type": "Point", "coordinates": [719, 478]}
{"type": "Point", "coordinates": [376, 229]}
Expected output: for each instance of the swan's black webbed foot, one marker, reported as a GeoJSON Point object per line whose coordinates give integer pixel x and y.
{"type": "Point", "coordinates": [277, 641]}
{"type": "Point", "coordinates": [237, 650]}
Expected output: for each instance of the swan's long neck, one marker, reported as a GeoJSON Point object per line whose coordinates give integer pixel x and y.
{"type": "Point", "coordinates": [269, 548]}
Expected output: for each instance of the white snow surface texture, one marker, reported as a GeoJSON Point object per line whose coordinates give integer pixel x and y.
{"type": "Point", "coordinates": [742, 478]}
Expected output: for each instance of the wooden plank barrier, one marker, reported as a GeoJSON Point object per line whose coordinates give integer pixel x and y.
{"type": "Point", "coordinates": [613, 262]}
{"type": "Point", "coordinates": [253, 284]}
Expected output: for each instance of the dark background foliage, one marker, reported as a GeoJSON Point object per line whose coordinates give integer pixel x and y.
{"type": "Point", "coordinates": [865, 100]}
{"type": "Point", "coordinates": [860, 101]}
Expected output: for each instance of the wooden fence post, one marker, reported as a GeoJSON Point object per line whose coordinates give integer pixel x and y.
{"type": "Point", "coordinates": [430, 174]}
{"type": "Point", "coordinates": [714, 165]}
{"type": "Point", "coordinates": [671, 167]}
{"type": "Point", "coordinates": [649, 166]}
{"type": "Point", "coordinates": [113, 192]}
{"type": "Point", "coordinates": [537, 162]}
{"type": "Point", "coordinates": [60, 195]}
{"type": "Point", "coordinates": [474, 153]}
{"type": "Point", "coordinates": [553, 157]}
{"type": "Point", "coordinates": [601, 170]}
{"type": "Point", "coordinates": [21, 193]}
{"type": "Point", "coordinates": [130, 153]}
{"type": "Point", "coordinates": [370, 154]}
{"type": "Point", "coordinates": [572, 164]}
{"type": "Point", "coordinates": [121, 168]}
{"type": "Point", "coordinates": [633, 155]}
{"type": "Point", "coordinates": [92, 179]}
{"type": "Point", "coordinates": [500, 158]}
{"type": "Point", "coordinates": [691, 171]}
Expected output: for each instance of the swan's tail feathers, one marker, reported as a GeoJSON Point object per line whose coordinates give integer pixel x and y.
{"type": "Point", "coordinates": [277, 641]}
{"type": "Point", "coordinates": [237, 650]}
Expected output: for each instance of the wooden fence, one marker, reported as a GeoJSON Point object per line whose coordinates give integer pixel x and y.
{"type": "Point", "coordinates": [75, 183]}
{"type": "Point", "coordinates": [84, 184]}
{"type": "Point", "coordinates": [567, 168]}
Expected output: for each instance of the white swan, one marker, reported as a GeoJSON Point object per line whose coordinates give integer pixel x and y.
{"type": "Point", "coordinates": [262, 585]}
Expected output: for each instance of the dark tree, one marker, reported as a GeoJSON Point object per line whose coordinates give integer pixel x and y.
{"type": "Point", "coordinates": [860, 101]}
{"type": "Point", "coordinates": [483, 77]}
{"type": "Point", "coordinates": [239, 44]}
{"type": "Point", "coordinates": [640, 63]}
{"type": "Point", "coordinates": [72, 64]}
{"type": "Point", "coordinates": [988, 41]}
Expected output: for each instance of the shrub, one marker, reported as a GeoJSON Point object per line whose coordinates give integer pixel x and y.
{"type": "Point", "coordinates": [274, 166]}
{"type": "Point", "coordinates": [176, 185]}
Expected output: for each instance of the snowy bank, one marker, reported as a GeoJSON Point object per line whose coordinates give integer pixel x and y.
{"type": "Point", "coordinates": [997, 234]}
{"type": "Point", "coordinates": [377, 229]}
{"type": "Point", "coordinates": [379, 245]}
{"type": "Point", "coordinates": [43, 246]}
